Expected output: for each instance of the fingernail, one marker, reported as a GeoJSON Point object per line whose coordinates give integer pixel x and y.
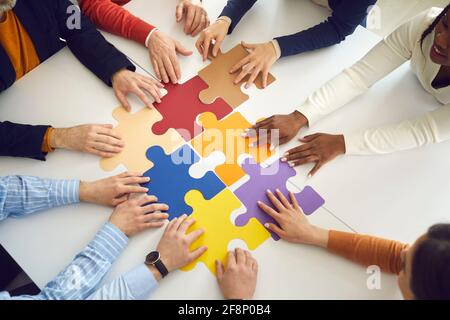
{"type": "Point", "coordinates": [286, 154]}
{"type": "Point", "coordinates": [259, 202]}
{"type": "Point", "coordinates": [283, 159]}
{"type": "Point", "coordinates": [266, 225]}
{"type": "Point", "coordinates": [309, 175]}
{"type": "Point", "coordinates": [277, 190]}
{"type": "Point", "coordinates": [291, 165]}
{"type": "Point", "coordinates": [268, 191]}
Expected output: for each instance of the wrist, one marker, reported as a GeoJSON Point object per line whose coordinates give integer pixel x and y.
{"type": "Point", "coordinates": [116, 75]}
{"type": "Point", "coordinates": [320, 237]}
{"type": "Point", "coordinates": [156, 274]}
{"type": "Point", "coordinates": [299, 118]}
{"type": "Point", "coordinates": [224, 20]}
{"type": "Point", "coordinates": [85, 191]}
{"type": "Point", "coordinates": [342, 148]}
{"type": "Point", "coordinates": [151, 35]}
{"type": "Point", "coordinates": [56, 138]}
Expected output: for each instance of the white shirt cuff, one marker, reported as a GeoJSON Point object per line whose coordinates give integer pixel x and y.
{"type": "Point", "coordinates": [149, 35]}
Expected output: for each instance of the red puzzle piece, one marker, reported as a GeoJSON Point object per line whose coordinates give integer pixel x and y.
{"type": "Point", "coordinates": [181, 106]}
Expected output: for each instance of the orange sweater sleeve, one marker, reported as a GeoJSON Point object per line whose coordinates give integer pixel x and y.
{"type": "Point", "coordinates": [367, 250]}
{"type": "Point", "coordinates": [108, 15]}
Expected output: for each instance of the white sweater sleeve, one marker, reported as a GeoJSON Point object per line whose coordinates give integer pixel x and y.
{"type": "Point", "coordinates": [385, 57]}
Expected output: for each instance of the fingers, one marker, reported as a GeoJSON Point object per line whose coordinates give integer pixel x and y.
{"type": "Point", "coordinates": [283, 199]}
{"type": "Point", "coordinates": [194, 235]}
{"type": "Point", "coordinates": [185, 225]}
{"type": "Point", "coordinates": [217, 45]}
{"type": "Point", "coordinates": [178, 222]}
{"type": "Point", "coordinates": [271, 212]}
{"type": "Point", "coordinates": [152, 90]}
{"type": "Point", "coordinates": [244, 72]}
{"type": "Point", "coordinates": [176, 67]}
{"type": "Point", "coordinates": [265, 76]}
{"type": "Point", "coordinates": [145, 199]}
{"type": "Point", "coordinates": [190, 16]}
{"type": "Point", "coordinates": [106, 147]}
{"type": "Point", "coordinates": [278, 205]}
{"type": "Point", "coordinates": [219, 270]}
{"type": "Point", "coordinates": [310, 137]}
{"type": "Point", "coordinates": [154, 207]}
{"type": "Point", "coordinates": [156, 68]}
{"type": "Point", "coordinates": [153, 224]}
{"type": "Point", "coordinates": [133, 189]}
{"type": "Point", "coordinates": [155, 217]}
{"type": "Point", "coordinates": [107, 131]}
{"type": "Point", "coordinates": [252, 77]}
{"type": "Point", "coordinates": [206, 44]}
{"type": "Point", "coordinates": [141, 95]}
{"type": "Point", "coordinates": [181, 49]}
{"type": "Point", "coordinates": [102, 154]}
{"type": "Point", "coordinates": [231, 259]}
{"type": "Point", "coordinates": [134, 179]}
{"type": "Point", "coordinates": [193, 255]}
{"type": "Point", "coordinates": [203, 23]}
{"type": "Point", "coordinates": [240, 256]}
{"type": "Point", "coordinates": [248, 45]}
{"type": "Point", "coordinates": [123, 100]}
{"type": "Point", "coordinates": [295, 202]}
{"type": "Point", "coordinates": [179, 12]}
{"type": "Point", "coordinates": [276, 229]}
{"type": "Point", "coordinates": [305, 160]}
{"type": "Point", "coordinates": [196, 21]}
{"type": "Point", "coordinates": [240, 64]}
{"type": "Point", "coordinates": [163, 72]}
{"type": "Point", "coordinates": [316, 168]}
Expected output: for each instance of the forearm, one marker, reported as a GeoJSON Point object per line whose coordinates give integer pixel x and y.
{"type": "Point", "coordinates": [90, 47]}
{"type": "Point", "coordinates": [367, 250]}
{"type": "Point", "coordinates": [23, 195]}
{"type": "Point", "coordinates": [21, 140]}
{"type": "Point", "coordinates": [82, 276]}
{"type": "Point", "coordinates": [235, 10]}
{"type": "Point", "coordinates": [111, 17]}
{"type": "Point", "coordinates": [433, 127]}
{"type": "Point", "coordinates": [352, 82]}
{"type": "Point", "coordinates": [137, 284]}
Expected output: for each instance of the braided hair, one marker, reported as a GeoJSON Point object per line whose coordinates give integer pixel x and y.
{"type": "Point", "coordinates": [434, 24]}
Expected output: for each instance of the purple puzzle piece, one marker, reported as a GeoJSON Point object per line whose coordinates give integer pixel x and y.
{"type": "Point", "coordinates": [272, 177]}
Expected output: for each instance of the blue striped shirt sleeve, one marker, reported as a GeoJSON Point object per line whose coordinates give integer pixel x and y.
{"type": "Point", "coordinates": [23, 195]}
{"type": "Point", "coordinates": [81, 278]}
{"type": "Point", "coordinates": [137, 284]}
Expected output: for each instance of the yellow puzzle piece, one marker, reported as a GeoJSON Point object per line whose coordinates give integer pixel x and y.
{"type": "Point", "coordinates": [136, 130]}
{"type": "Point", "coordinates": [226, 136]}
{"type": "Point", "coordinates": [214, 217]}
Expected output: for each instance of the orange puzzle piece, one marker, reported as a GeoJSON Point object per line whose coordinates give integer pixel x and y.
{"type": "Point", "coordinates": [226, 136]}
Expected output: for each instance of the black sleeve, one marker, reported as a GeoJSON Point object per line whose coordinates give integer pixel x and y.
{"type": "Point", "coordinates": [22, 140]}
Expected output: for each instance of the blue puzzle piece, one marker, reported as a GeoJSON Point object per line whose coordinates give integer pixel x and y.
{"type": "Point", "coordinates": [170, 179]}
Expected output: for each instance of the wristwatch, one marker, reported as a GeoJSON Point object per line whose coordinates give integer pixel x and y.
{"type": "Point", "coordinates": [154, 259]}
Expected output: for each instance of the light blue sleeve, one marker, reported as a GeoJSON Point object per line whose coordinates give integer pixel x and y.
{"type": "Point", "coordinates": [82, 277]}
{"type": "Point", "coordinates": [23, 195]}
{"type": "Point", "coordinates": [137, 284]}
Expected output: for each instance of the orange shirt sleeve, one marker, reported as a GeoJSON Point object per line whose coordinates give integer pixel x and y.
{"type": "Point", "coordinates": [46, 142]}
{"type": "Point", "coordinates": [108, 15]}
{"type": "Point", "coordinates": [367, 250]}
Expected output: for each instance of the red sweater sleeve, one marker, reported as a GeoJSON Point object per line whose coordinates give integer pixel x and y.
{"type": "Point", "coordinates": [108, 15]}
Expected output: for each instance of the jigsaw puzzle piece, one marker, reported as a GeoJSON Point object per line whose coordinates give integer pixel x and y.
{"type": "Point", "coordinates": [214, 217]}
{"type": "Point", "coordinates": [181, 106]}
{"type": "Point", "coordinates": [226, 136]}
{"type": "Point", "coordinates": [221, 82]}
{"type": "Point", "coordinates": [272, 177]}
{"type": "Point", "coordinates": [135, 128]}
{"type": "Point", "coordinates": [170, 179]}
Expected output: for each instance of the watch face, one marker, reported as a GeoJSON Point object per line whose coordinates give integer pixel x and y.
{"type": "Point", "coordinates": [152, 257]}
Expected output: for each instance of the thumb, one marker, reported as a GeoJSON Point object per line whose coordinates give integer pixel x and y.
{"type": "Point", "coordinates": [179, 12]}
{"type": "Point", "coordinates": [274, 228]}
{"type": "Point", "coordinates": [248, 45]}
{"type": "Point", "coordinates": [181, 49]}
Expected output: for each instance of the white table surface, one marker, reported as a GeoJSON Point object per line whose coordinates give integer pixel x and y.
{"type": "Point", "coordinates": [396, 196]}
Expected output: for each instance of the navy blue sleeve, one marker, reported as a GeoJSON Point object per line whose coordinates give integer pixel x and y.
{"type": "Point", "coordinates": [21, 140]}
{"type": "Point", "coordinates": [89, 45]}
{"type": "Point", "coordinates": [235, 10]}
{"type": "Point", "coordinates": [346, 16]}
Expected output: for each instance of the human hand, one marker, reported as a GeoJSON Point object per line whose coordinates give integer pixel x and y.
{"type": "Point", "coordinates": [113, 190]}
{"type": "Point", "coordinates": [217, 32]}
{"type": "Point", "coordinates": [293, 224]}
{"type": "Point", "coordinates": [196, 17]}
{"type": "Point", "coordinates": [125, 82]}
{"type": "Point", "coordinates": [238, 280]}
{"type": "Point", "coordinates": [100, 140]}
{"type": "Point", "coordinates": [174, 246]}
{"type": "Point", "coordinates": [138, 214]}
{"type": "Point", "coordinates": [260, 59]}
{"type": "Point", "coordinates": [287, 125]}
{"type": "Point", "coordinates": [319, 148]}
{"type": "Point", "coordinates": [163, 55]}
